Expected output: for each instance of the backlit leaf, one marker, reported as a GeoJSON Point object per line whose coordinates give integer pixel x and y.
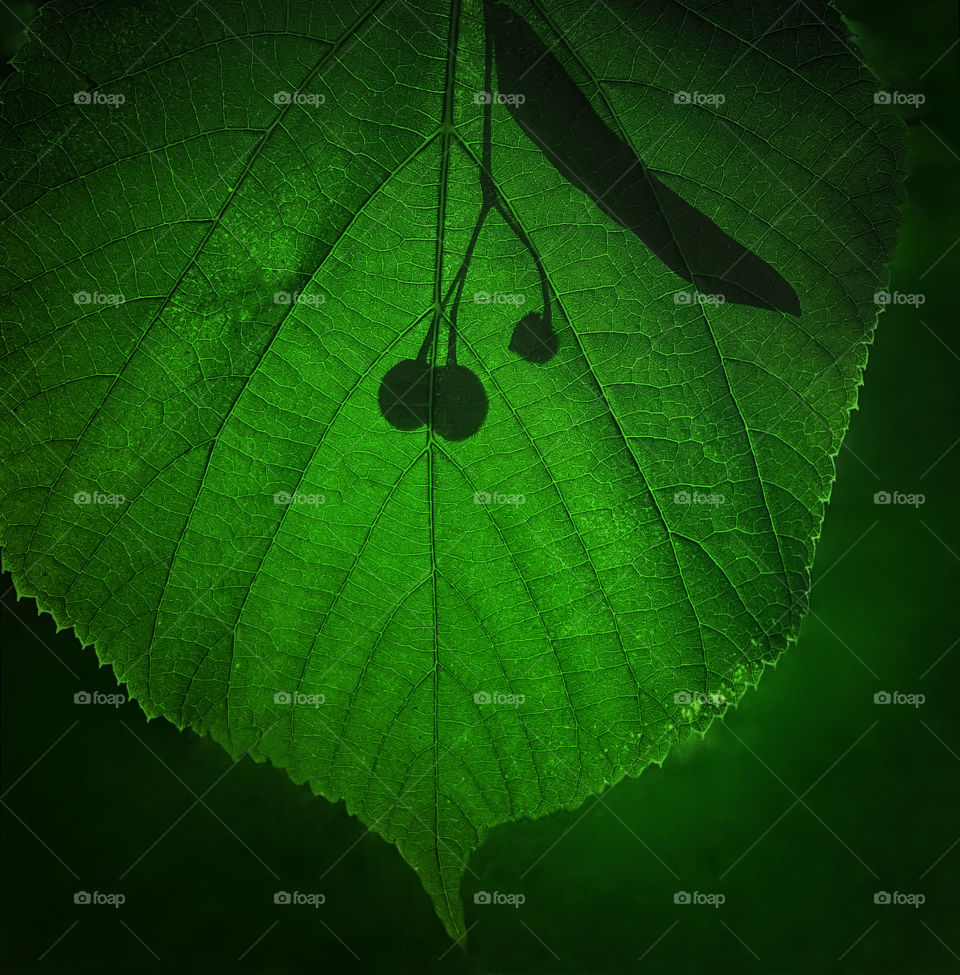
{"type": "Point", "coordinates": [484, 584]}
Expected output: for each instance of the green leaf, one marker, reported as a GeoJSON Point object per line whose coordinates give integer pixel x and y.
{"type": "Point", "coordinates": [562, 560]}
{"type": "Point", "coordinates": [574, 138]}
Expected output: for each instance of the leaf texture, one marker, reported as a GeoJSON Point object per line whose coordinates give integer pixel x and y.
{"type": "Point", "coordinates": [196, 476]}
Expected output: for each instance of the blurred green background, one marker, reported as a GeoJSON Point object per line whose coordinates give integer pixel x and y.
{"type": "Point", "coordinates": [798, 808]}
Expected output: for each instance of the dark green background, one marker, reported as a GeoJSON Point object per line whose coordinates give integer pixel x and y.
{"type": "Point", "coordinates": [877, 785]}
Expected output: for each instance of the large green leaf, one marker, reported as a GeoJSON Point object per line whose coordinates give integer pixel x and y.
{"type": "Point", "coordinates": [473, 628]}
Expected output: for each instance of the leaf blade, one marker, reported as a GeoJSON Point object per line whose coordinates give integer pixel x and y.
{"type": "Point", "coordinates": [596, 597]}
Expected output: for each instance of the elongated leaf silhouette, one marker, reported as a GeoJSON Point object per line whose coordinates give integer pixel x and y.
{"type": "Point", "coordinates": [591, 531]}
{"type": "Point", "coordinates": [573, 137]}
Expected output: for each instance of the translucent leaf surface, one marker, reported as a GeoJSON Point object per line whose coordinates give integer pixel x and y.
{"type": "Point", "coordinates": [219, 233]}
